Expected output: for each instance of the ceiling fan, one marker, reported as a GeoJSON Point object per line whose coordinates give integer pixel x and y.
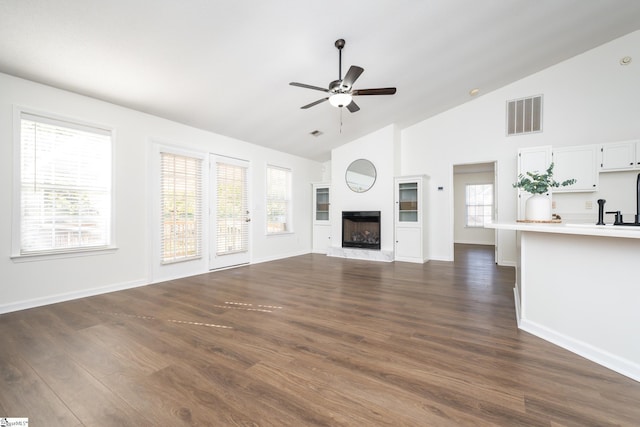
{"type": "Point", "coordinates": [341, 91]}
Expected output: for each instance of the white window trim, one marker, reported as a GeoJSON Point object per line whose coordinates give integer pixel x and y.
{"type": "Point", "coordinates": [466, 214]}
{"type": "Point", "coordinates": [16, 256]}
{"type": "Point", "coordinates": [290, 207]}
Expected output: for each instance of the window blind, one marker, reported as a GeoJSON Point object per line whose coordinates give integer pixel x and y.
{"type": "Point", "coordinates": [232, 231]}
{"type": "Point", "coordinates": [65, 186]}
{"type": "Point", "coordinates": [278, 199]}
{"type": "Point", "coordinates": [181, 208]}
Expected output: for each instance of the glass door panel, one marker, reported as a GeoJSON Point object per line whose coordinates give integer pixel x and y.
{"type": "Point", "coordinates": [408, 202]}
{"type": "Point", "coordinates": [322, 204]}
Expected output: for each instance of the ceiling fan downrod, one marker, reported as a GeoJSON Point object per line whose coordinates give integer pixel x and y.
{"type": "Point", "coordinates": [340, 44]}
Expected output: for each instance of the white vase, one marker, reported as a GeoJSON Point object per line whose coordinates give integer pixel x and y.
{"type": "Point", "coordinates": [538, 208]}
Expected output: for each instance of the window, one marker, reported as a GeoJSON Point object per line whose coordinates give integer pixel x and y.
{"type": "Point", "coordinates": [479, 201]}
{"type": "Point", "coordinates": [65, 186]}
{"type": "Point", "coordinates": [181, 208]}
{"type": "Point", "coordinates": [278, 200]}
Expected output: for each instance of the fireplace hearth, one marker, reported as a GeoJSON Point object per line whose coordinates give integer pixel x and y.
{"type": "Point", "coordinates": [361, 229]}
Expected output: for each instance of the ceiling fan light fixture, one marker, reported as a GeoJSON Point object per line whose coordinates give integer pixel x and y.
{"type": "Point", "coordinates": [340, 99]}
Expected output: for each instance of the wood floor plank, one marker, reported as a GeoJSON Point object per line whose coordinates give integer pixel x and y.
{"type": "Point", "coordinates": [25, 395]}
{"type": "Point", "coordinates": [305, 341]}
{"type": "Point", "coordinates": [85, 396]}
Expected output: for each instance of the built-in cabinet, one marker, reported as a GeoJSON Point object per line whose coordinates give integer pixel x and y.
{"type": "Point", "coordinates": [321, 218]}
{"type": "Point", "coordinates": [583, 163]}
{"type": "Point", "coordinates": [410, 219]}
{"type": "Point", "coordinates": [620, 156]}
{"type": "Point", "coordinates": [576, 162]}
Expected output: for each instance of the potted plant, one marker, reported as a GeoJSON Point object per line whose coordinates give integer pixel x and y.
{"type": "Point", "coordinates": [538, 206]}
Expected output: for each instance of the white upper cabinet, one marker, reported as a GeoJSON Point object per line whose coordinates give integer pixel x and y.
{"type": "Point", "coordinates": [534, 159]}
{"type": "Point", "coordinates": [579, 163]}
{"type": "Point", "coordinates": [618, 156]}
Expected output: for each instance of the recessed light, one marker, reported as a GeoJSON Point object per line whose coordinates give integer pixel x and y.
{"type": "Point", "coordinates": [625, 61]}
{"type": "Point", "coordinates": [474, 91]}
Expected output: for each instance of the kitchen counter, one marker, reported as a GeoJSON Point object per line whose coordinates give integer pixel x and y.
{"type": "Point", "coordinates": [585, 229]}
{"type": "Point", "coordinates": [578, 286]}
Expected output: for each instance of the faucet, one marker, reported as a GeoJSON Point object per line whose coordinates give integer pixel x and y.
{"type": "Point", "coordinates": [601, 203]}
{"type": "Point", "coordinates": [618, 219]}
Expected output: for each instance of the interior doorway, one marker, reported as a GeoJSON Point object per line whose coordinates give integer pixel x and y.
{"type": "Point", "coordinates": [474, 203]}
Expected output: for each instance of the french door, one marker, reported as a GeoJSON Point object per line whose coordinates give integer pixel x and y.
{"type": "Point", "coordinates": [230, 218]}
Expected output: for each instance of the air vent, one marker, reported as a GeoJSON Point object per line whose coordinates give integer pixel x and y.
{"type": "Point", "coordinates": [524, 115]}
{"type": "Point", "coordinates": [315, 133]}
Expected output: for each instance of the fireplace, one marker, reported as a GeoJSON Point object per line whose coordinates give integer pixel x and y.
{"type": "Point", "coordinates": [361, 229]}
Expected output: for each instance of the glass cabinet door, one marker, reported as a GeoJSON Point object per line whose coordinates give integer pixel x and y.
{"type": "Point", "coordinates": [408, 202]}
{"type": "Point", "coordinates": [322, 204]}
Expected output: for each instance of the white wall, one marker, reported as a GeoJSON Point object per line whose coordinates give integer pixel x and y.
{"type": "Point", "coordinates": [26, 284]}
{"type": "Point", "coordinates": [588, 99]}
{"type": "Point", "coordinates": [379, 148]}
{"type": "Point", "coordinates": [462, 233]}
{"type": "Point", "coordinates": [617, 188]}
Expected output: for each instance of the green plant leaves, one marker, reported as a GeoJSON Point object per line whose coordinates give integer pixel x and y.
{"type": "Point", "coordinates": [536, 183]}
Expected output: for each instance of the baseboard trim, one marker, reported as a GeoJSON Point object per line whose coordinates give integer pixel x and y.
{"type": "Point", "coordinates": [615, 363]}
{"type": "Point", "coordinates": [69, 296]}
{"type": "Point", "coordinates": [278, 257]}
{"type": "Point", "coordinates": [517, 302]}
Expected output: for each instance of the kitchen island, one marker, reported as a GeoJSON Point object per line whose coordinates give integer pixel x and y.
{"type": "Point", "coordinates": [578, 286]}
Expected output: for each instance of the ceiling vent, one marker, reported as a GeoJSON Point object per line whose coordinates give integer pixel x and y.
{"type": "Point", "coordinates": [315, 133]}
{"type": "Point", "coordinates": [524, 115]}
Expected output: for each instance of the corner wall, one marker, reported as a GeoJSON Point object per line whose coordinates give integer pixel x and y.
{"type": "Point", "coordinates": [588, 99]}
{"type": "Point", "coordinates": [29, 284]}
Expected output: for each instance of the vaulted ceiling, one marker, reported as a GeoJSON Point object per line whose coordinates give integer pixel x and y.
{"type": "Point", "coordinates": [225, 66]}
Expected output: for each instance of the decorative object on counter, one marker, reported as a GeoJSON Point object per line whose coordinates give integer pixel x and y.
{"type": "Point", "coordinates": [555, 219]}
{"type": "Point", "coordinates": [538, 206]}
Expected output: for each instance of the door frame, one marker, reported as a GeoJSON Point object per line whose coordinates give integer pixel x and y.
{"type": "Point", "coordinates": [452, 203]}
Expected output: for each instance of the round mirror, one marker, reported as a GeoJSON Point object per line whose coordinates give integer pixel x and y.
{"type": "Point", "coordinates": [360, 175]}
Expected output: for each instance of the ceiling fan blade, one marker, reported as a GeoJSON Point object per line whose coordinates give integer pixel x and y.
{"type": "Point", "coordinates": [352, 75]}
{"type": "Point", "coordinates": [353, 107]}
{"type": "Point", "coordinates": [308, 86]}
{"type": "Point", "coordinates": [319, 101]}
{"type": "Point", "coordinates": [379, 91]}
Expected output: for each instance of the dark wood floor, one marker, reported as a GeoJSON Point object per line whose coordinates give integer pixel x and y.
{"type": "Point", "coordinates": [305, 341]}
